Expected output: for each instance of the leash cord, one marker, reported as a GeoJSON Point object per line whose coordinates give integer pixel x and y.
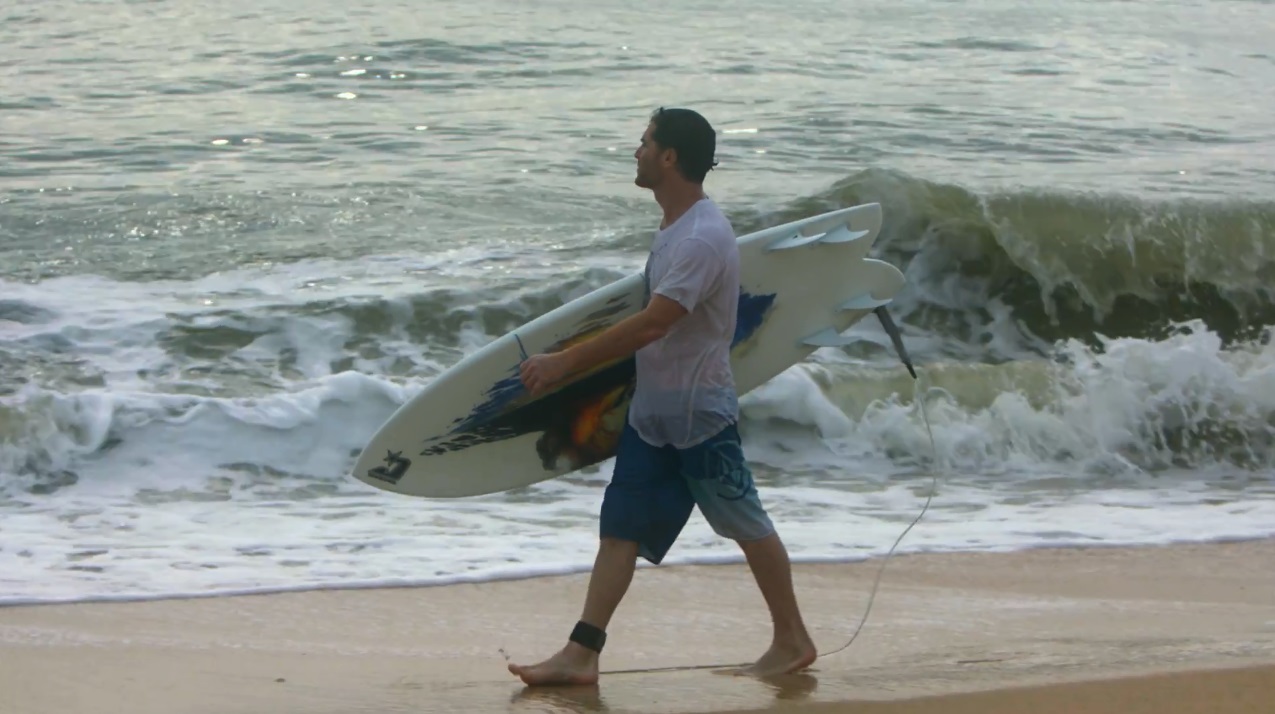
{"type": "Point", "coordinates": [893, 331]}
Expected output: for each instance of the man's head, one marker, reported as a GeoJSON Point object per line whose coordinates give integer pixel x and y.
{"type": "Point", "coordinates": [678, 144]}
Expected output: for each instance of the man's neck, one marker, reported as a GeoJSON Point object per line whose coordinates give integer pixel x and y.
{"type": "Point", "coordinates": [677, 201]}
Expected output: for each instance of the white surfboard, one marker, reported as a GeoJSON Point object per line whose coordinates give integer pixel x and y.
{"type": "Point", "coordinates": [475, 430]}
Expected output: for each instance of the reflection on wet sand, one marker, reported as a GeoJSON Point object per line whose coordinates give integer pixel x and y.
{"type": "Point", "coordinates": [782, 689]}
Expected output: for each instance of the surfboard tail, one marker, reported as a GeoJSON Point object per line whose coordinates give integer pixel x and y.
{"type": "Point", "coordinates": [885, 281]}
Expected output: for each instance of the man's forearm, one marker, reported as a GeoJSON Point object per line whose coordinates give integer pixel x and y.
{"type": "Point", "coordinates": [618, 341]}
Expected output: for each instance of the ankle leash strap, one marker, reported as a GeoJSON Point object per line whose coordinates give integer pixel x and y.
{"type": "Point", "coordinates": [588, 636]}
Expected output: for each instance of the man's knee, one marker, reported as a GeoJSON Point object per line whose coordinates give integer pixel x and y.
{"type": "Point", "coordinates": [646, 526]}
{"type": "Point", "coordinates": [617, 550]}
{"type": "Point", "coordinates": [742, 520]}
{"type": "Point", "coordinates": [758, 542]}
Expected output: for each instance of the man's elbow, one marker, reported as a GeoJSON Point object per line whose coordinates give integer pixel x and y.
{"type": "Point", "coordinates": [654, 332]}
{"type": "Point", "coordinates": [661, 314]}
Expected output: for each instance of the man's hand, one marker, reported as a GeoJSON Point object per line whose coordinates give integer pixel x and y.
{"type": "Point", "coordinates": [540, 372]}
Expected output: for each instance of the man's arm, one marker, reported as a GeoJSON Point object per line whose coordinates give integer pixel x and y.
{"type": "Point", "coordinates": [539, 372]}
{"type": "Point", "coordinates": [626, 336]}
{"type": "Point", "coordinates": [693, 268]}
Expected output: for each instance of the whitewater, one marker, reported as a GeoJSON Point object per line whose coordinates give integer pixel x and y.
{"type": "Point", "coordinates": [153, 486]}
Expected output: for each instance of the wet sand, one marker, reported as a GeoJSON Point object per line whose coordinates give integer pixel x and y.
{"type": "Point", "coordinates": [1187, 628]}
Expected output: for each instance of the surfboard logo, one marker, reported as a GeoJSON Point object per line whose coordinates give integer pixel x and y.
{"type": "Point", "coordinates": [397, 466]}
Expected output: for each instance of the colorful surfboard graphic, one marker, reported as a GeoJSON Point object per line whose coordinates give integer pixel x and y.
{"type": "Point", "coordinates": [580, 422]}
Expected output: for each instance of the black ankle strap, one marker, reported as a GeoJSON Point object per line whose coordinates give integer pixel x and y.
{"type": "Point", "coordinates": [587, 635]}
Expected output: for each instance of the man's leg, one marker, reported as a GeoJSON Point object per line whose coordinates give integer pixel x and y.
{"type": "Point", "coordinates": [643, 511]}
{"type": "Point", "coordinates": [791, 648]}
{"type": "Point", "coordinates": [575, 663]}
{"type": "Point", "coordinates": [722, 484]}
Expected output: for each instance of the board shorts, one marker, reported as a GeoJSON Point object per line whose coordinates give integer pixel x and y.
{"type": "Point", "coordinates": [653, 490]}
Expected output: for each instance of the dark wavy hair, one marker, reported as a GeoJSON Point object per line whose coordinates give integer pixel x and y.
{"type": "Point", "coordinates": [691, 136]}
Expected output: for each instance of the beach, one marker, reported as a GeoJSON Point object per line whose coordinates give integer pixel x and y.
{"type": "Point", "coordinates": [1179, 628]}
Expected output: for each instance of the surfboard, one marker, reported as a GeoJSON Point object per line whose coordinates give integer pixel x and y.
{"type": "Point", "coordinates": [475, 430]}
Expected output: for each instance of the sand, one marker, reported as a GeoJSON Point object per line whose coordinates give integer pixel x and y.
{"type": "Point", "coordinates": [1185, 628]}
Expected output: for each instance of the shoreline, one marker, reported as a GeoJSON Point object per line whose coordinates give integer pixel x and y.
{"type": "Point", "coordinates": [1063, 622]}
{"type": "Point", "coordinates": [732, 560]}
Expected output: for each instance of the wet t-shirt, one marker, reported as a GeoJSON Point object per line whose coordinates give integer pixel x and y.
{"type": "Point", "coordinates": [685, 389]}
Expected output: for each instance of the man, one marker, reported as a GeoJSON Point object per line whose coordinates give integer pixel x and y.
{"type": "Point", "coordinates": [680, 446]}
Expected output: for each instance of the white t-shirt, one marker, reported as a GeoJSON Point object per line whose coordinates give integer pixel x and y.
{"type": "Point", "coordinates": [685, 390]}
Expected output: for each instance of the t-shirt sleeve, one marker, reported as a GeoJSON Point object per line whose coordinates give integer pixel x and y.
{"type": "Point", "coordinates": [692, 271]}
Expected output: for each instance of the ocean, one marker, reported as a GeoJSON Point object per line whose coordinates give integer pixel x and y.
{"type": "Point", "coordinates": [235, 237]}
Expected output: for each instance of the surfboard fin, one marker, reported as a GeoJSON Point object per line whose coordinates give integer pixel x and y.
{"type": "Point", "coordinates": [864, 302]}
{"type": "Point", "coordinates": [829, 337]}
{"type": "Point", "coordinates": [840, 234]}
{"type": "Point", "coordinates": [796, 240]}
{"type": "Point", "coordinates": [843, 235]}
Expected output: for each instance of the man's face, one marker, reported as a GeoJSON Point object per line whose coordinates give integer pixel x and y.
{"type": "Point", "coordinates": [652, 161]}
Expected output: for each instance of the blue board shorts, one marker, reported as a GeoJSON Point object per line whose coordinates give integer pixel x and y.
{"type": "Point", "coordinates": [653, 490]}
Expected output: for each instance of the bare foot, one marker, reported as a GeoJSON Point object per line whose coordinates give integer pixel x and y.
{"type": "Point", "coordinates": [783, 659]}
{"type": "Point", "coordinates": [572, 665]}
